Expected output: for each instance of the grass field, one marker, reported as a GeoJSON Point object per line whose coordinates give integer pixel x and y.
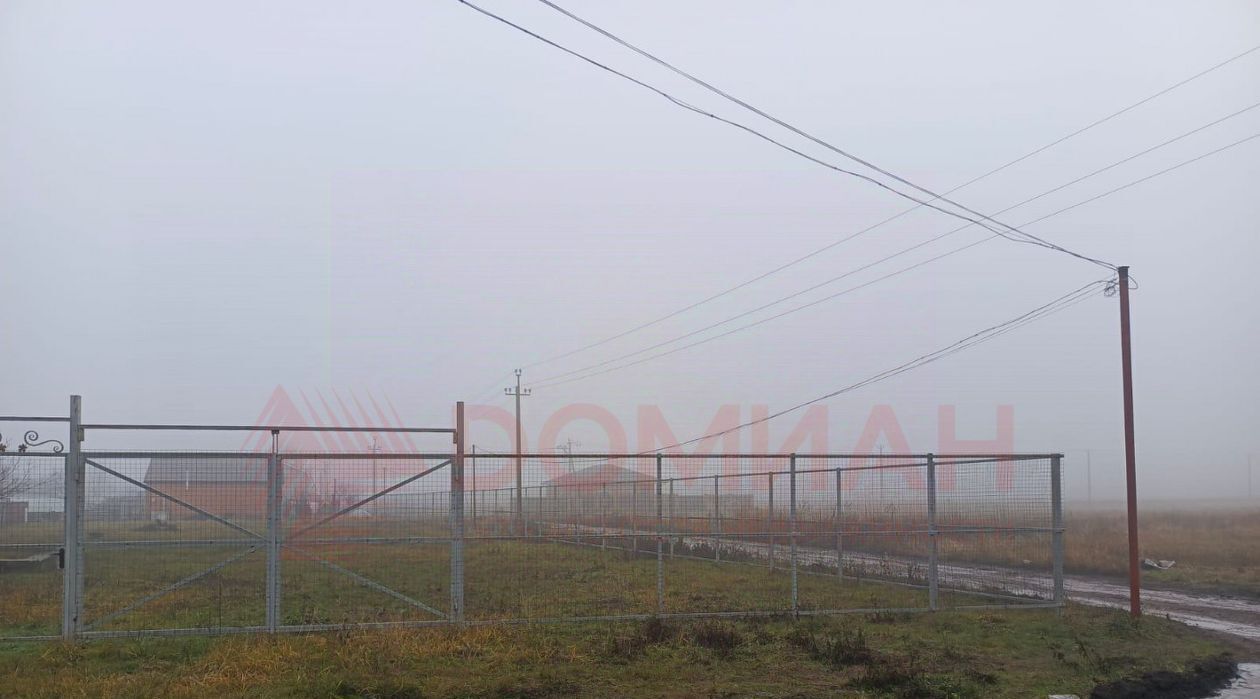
{"type": "Point", "coordinates": [1215, 548]}
{"type": "Point", "coordinates": [993, 653]}
{"type": "Point", "coordinates": [504, 580]}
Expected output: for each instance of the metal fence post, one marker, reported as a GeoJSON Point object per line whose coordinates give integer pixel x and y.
{"type": "Point", "coordinates": [839, 524]}
{"type": "Point", "coordinates": [770, 515]}
{"type": "Point", "coordinates": [717, 522]}
{"type": "Point", "coordinates": [634, 514]}
{"type": "Point", "coordinates": [72, 504]}
{"type": "Point", "coordinates": [457, 519]}
{"type": "Point", "coordinates": [792, 524]}
{"type": "Point", "coordinates": [933, 577]}
{"type": "Point", "coordinates": [275, 489]}
{"type": "Point", "coordinates": [660, 544]}
{"type": "Point", "coordinates": [1056, 509]}
{"type": "Point", "coordinates": [673, 527]}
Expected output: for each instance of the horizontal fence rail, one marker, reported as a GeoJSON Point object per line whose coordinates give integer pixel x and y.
{"type": "Point", "coordinates": [173, 543]}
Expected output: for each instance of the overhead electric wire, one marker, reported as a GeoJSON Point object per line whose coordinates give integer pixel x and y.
{"type": "Point", "coordinates": [1032, 239]}
{"type": "Point", "coordinates": [829, 246]}
{"type": "Point", "coordinates": [815, 139]}
{"type": "Point", "coordinates": [749, 326]}
{"type": "Point", "coordinates": [715, 90]}
{"type": "Point", "coordinates": [1061, 303]}
{"type": "Point", "coordinates": [549, 379]}
{"type": "Point", "coordinates": [494, 389]}
{"type": "Point", "coordinates": [568, 378]}
{"type": "Point", "coordinates": [1028, 239]}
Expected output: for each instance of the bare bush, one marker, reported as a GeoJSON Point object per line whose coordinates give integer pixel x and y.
{"type": "Point", "coordinates": [15, 478]}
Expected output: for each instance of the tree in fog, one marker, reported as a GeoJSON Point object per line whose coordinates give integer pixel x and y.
{"type": "Point", "coordinates": [15, 478]}
{"type": "Point", "coordinates": [18, 476]}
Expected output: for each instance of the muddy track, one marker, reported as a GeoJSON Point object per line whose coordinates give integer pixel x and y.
{"type": "Point", "coordinates": [1227, 615]}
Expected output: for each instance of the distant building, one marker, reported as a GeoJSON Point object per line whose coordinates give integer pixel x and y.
{"type": "Point", "coordinates": [46, 516]}
{"type": "Point", "coordinates": [607, 477]}
{"type": "Point", "coordinates": [226, 487]}
{"type": "Point", "coordinates": [13, 511]}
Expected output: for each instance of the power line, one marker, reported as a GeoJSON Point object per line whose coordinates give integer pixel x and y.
{"type": "Point", "coordinates": [749, 326]}
{"type": "Point", "coordinates": [569, 377]}
{"type": "Point", "coordinates": [815, 139]}
{"type": "Point", "coordinates": [678, 71]}
{"type": "Point", "coordinates": [829, 246]}
{"type": "Point", "coordinates": [545, 381]}
{"type": "Point", "coordinates": [493, 391]}
{"type": "Point", "coordinates": [1027, 238]}
{"type": "Point", "coordinates": [1061, 303]}
{"type": "Point", "coordinates": [1153, 175]}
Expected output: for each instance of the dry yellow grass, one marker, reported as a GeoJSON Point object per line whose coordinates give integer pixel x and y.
{"type": "Point", "coordinates": [1215, 548]}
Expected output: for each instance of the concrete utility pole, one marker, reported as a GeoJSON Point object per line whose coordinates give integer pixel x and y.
{"type": "Point", "coordinates": [520, 498]}
{"type": "Point", "coordinates": [1130, 458]}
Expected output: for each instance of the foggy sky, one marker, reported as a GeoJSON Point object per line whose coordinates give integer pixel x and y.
{"type": "Point", "coordinates": [200, 203]}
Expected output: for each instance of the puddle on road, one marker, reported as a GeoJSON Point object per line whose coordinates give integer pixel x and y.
{"type": "Point", "coordinates": [1247, 686]}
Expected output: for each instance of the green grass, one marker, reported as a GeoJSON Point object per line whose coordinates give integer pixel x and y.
{"type": "Point", "coordinates": [995, 654]}
{"type": "Point", "coordinates": [1014, 653]}
{"type": "Point", "coordinates": [504, 580]}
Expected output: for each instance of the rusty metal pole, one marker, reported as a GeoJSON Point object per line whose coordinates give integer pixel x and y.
{"type": "Point", "coordinates": [1130, 459]}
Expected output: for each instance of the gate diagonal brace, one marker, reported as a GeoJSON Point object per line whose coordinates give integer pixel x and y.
{"type": "Point", "coordinates": [170, 588]}
{"type": "Point", "coordinates": [175, 500]}
{"type": "Point", "coordinates": [367, 582]}
{"type": "Point", "coordinates": [351, 508]}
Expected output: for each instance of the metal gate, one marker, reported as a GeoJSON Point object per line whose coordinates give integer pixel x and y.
{"type": "Point", "coordinates": [181, 542]}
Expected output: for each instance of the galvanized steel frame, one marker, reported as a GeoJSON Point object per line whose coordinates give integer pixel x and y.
{"type": "Point", "coordinates": [73, 625]}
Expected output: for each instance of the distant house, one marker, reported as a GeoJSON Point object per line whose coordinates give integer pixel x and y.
{"type": "Point", "coordinates": [13, 511]}
{"type": "Point", "coordinates": [226, 487]}
{"type": "Point", "coordinates": [607, 477]}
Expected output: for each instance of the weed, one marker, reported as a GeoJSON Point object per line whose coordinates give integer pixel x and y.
{"type": "Point", "coordinates": [837, 649]}
{"type": "Point", "coordinates": [628, 646]}
{"type": "Point", "coordinates": [716, 635]}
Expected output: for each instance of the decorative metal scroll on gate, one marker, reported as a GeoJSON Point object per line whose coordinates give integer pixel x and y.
{"type": "Point", "coordinates": [31, 440]}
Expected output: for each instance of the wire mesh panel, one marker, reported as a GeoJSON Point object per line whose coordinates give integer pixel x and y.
{"type": "Point", "coordinates": [995, 519]}
{"type": "Point", "coordinates": [174, 540]}
{"type": "Point", "coordinates": [603, 535]}
{"type": "Point", "coordinates": [364, 539]}
{"type": "Point", "coordinates": [184, 542]}
{"type": "Point", "coordinates": [577, 539]}
{"type": "Point", "coordinates": [32, 517]}
{"type": "Point", "coordinates": [721, 556]}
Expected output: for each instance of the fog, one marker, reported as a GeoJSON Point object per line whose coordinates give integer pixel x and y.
{"type": "Point", "coordinates": [203, 205]}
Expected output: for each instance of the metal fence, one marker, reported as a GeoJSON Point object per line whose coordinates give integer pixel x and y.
{"type": "Point", "coordinates": [169, 542]}
{"type": "Point", "coordinates": [733, 534]}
